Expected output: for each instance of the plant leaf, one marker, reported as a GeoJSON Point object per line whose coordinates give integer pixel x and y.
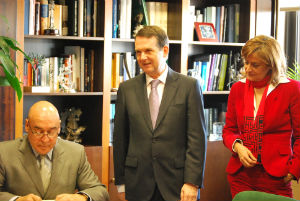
{"type": "Point", "coordinates": [4, 81]}
{"type": "Point", "coordinates": [7, 63]}
{"type": "Point", "coordinates": [11, 78]}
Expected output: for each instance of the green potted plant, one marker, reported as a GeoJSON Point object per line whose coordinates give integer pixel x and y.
{"type": "Point", "coordinates": [294, 73]}
{"type": "Point", "coordinates": [8, 65]}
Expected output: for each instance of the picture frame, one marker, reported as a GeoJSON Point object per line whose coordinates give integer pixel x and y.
{"type": "Point", "coordinates": [206, 32]}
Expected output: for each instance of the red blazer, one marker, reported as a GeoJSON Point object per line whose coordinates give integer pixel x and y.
{"type": "Point", "coordinates": [281, 124]}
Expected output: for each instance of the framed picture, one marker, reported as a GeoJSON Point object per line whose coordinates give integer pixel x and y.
{"type": "Point", "coordinates": [206, 32]}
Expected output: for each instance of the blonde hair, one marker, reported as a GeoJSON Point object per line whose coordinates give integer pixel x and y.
{"type": "Point", "coordinates": [269, 51]}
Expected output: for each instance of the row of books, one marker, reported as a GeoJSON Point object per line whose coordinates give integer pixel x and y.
{"type": "Point", "coordinates": [73, 18]}
{"type": "Point", "coordinates": [225, 19]}
{"type": "Point", "coordinates": [71, 72]}
{"type": "Point", "coordinates": [124, 67]}
{"type": "Point", "coordinates": [217, 72]}
{"type": "Point", "coordinates": [128, 16]}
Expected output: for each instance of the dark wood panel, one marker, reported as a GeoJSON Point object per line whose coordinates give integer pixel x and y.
{"type": "Point", "coordinates": [216, 186]}
{"type": "Point", "coordinates": [94, 156]}
{"type": "Point", "coordinates": [7, 113]}
{"type": "Point", "coordinates": [7, 96]}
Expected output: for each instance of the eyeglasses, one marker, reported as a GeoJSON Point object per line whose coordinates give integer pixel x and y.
{"type": "Point", "coordinates": [38, 133]}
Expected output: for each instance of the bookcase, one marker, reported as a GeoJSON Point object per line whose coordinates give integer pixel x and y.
{"type": "Point", "coordinates": [96, 105]}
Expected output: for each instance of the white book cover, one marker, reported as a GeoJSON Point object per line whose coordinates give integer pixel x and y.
{"type": "Point", "coordinates": [128, 18]}
{"type": "Point", "coordinates": [80, 17]}
{"type": "Point", "coordinates": [55, 72]}
{"type": "Point", "coordinates": [31, 17]}
{"type": "Point", "coordinates": [122, 23]}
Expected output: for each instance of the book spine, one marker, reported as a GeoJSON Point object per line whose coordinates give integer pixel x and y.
{"type": "Point", "coordinates": [88, 18]}
{"type": "Point", "coordinates": [65, 28]}
{"type": "Point", "coordinates": [31, 17]}
{"type": "Point", "coordinates": [26, 17]}
{"type": "Point", "coordinates": [94, 21]}
{"type": "Point", "coordinates": [114, 19]}
{"type": "Point", "coordinates": [44, 15]}
{"type": "Point", "coordinates": [237, 22]}
{"type": "Point", "coordinates": [82, 67]}
{"type": "Point", "coordinates": [25, 73]}
{"type": "Point", "coordinates": [223, 71]}
{"type": "Point", "coordinates": [80, 17]}
{"type": "Point", "coordinates": [73, 17]}
{"type": "Point", "coordinates": [85, 18]}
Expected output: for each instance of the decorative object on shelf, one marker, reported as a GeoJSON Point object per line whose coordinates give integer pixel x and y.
{"type": "Point", "coordinates": [69, 125]}
{"type": "Point", "coordinates": [51, 30]}
{"type": "Point", "coordinates": [294, 73]}
{"type": "Point", "coordinates": [236, 63]}
{"type": "Point", "coordinates": [206, 32]}
{"type": "Point", "coordinates": [65, 76]}
{"type": "Point", "coordinates": [37, 64]}
{"type": "Point", "coordinates": [7, 63]}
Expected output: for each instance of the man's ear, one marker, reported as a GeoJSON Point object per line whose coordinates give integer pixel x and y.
{"type": "Point", "coordinates": [26, 125]}
{"type": "Point", "coordinates": [166, 51]}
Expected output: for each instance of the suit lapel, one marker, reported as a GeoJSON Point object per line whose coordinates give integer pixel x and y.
{"type": "Point", "coordinates": [29, 163]}
{"type": "Point", "coordinates": [168, 95]}
{"type": "Point", "coordinates": [142, 99]}
{"type": "Point", "coordinates": [57, 165]}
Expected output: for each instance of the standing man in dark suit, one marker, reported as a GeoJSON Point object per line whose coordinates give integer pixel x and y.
{"type": "Point", "coordinates": [42, 166]}
{"type": "Point", "coordinates": [160, 135]}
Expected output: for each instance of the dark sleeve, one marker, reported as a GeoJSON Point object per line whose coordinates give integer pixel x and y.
{"type": "Point", "coordinates": [120, 137]}
{"type": "Point", "coordinates": [196, 137]}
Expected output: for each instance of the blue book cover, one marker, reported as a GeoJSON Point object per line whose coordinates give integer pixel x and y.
{"type": "Point", "coordinates": [218, 18]}
{"type": "Point", "coordinates": [203, 75]}
{"type": "Point", "coordinates": [114, 19]}
{"type": "Point", "coordinates": [26, 17]}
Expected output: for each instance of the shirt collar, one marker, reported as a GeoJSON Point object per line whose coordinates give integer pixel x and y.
{"type": "Point", "coordinates": [282, 79]}
{"type": "Point", "coordinates": [36, 154]}
{"type": "Point", "coordinates": [162, 77]}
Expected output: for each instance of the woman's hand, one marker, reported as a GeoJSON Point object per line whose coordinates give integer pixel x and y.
{"type": "Point", "coordinates": [289, 177]}
{"type": "Point", "coordinates": [245, 155]}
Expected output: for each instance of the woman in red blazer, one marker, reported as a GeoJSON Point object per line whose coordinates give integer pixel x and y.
{"type": "Point", "coordinates": [263, 122]}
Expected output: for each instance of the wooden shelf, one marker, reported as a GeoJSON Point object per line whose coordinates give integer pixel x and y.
{"type": "Point", "coordinates": [64, 37]}
{"type": "Point", "coordinates": [216, 44]}
{"type": "Point", "coordinates": [65, 94]}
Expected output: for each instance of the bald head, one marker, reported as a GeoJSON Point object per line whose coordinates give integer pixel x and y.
{"type": "Point", "coordinates": [43, 109]}
{"type": "Point", "coordinates": [43, 118]}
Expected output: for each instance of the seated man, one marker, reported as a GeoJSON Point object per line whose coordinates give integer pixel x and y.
{"type": "Point", "coordinates": [42, 166]}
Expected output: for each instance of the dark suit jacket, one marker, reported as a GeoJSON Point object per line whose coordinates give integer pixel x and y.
{"type": "Point", "coordinates": [19, 173]}
{"type": "Point", "coordinates": [168, 156]}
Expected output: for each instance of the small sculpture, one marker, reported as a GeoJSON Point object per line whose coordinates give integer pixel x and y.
{"type": "Point", "coordinates": [70, 129]}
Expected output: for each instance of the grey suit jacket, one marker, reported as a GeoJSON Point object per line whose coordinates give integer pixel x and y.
{"type": "Point", "coordinates": [171, 154]}
{"type": "Point", "coordinates": [19, 173]}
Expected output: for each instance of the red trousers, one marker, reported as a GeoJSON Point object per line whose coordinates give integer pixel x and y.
{"type": "Point", "coordinates": [257, 179]}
